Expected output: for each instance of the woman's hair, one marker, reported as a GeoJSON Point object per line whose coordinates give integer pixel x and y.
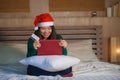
{"type": "Point", "coordinates": [53, 35]}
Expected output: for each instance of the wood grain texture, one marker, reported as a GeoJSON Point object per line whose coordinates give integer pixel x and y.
{"type": "Point", "coordinates": [14, 6]}
{"type": "Point", "coordinates": [77, 5]}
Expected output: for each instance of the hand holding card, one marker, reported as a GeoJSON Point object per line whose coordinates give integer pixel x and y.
{"type": "Point", "coordinates": [36, 43]}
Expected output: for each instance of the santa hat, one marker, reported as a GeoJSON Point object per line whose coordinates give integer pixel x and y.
{"type": "Point", "coordinates": [43, 20]}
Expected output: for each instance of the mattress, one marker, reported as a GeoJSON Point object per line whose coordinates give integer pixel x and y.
{"type": "Point", "coordinates": [83, 71]}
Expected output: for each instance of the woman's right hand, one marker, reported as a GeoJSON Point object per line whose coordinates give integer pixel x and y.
{"type": "Point", "coordinates": [36, 44]}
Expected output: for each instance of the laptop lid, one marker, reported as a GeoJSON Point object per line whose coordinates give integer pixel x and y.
{"type": "Point", "coordinates": [49, 47]}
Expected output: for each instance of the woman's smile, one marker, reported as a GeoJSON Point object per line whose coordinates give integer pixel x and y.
{"type": "Point", "coordinates": [46, 35]}
{"type": "Point", "coordinates": [46, 31]}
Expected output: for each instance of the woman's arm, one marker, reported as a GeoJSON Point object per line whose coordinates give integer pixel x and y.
{"type": "Point", "coordinates": [64, 50]}
{"type": "Point", "coordinates": [31, 51]}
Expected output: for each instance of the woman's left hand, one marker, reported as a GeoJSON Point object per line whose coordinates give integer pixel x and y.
{"type": "Point", "coordinates": [63, 43]}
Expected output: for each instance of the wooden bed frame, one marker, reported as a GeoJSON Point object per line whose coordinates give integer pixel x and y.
{"type": "Point", "coordinates": [21, 35]}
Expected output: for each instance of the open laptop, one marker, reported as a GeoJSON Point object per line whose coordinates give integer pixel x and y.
{"type": "Point", "coordinates": [49, 47]}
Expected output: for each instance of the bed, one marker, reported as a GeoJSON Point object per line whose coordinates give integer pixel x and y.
{"type": "Point", "coordinates": [84, 42]}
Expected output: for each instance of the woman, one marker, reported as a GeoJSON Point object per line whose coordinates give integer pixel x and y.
{"type": "Point", "coordinates": [45, 30]}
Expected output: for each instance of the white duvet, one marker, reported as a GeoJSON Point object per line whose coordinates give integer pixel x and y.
{"type": "Point", "coordinates": [82, 71]}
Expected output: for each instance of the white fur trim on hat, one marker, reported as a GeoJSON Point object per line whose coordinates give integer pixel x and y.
{"type": "Point", "coordinates": [36, 28]}
{"type": "Point", "coordinates": [46, 24]}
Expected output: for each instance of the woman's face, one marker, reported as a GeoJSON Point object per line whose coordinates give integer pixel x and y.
{"type": "Point", "coordinates": [46, 31]}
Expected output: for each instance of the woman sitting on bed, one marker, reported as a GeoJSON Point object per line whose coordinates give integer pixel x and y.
{"type": "Point", "coordinates": [45, 30]}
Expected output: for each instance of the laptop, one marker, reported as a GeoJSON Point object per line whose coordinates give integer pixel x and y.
{"type": "Point", "coordinates": [49, 47]}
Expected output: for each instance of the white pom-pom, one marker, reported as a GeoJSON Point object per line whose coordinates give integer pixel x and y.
{"type": "Point", "coordinates": [36, 28]}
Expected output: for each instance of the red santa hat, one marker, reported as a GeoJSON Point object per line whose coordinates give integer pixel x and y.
{"type": "Point", "coordinates": [43, 20]}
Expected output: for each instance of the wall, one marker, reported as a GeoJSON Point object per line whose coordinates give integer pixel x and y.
{"type": "Point", "coordinates": [77, 5]}
{"type": "Point", "coordinates": [14, 6]}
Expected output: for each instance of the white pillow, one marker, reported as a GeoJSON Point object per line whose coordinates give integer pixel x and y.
{"type": "Point", "coordinates": [82, 49]}
{"type": "Point", "coordinates": [51, 63]}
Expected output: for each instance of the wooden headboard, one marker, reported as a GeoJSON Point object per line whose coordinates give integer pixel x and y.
{"type": "Point", "coordinates": [21, 35]}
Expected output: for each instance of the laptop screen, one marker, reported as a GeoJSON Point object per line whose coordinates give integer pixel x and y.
{"type": "Point", "coordinates": [49, 47]}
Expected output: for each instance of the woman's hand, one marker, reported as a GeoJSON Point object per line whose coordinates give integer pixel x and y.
{"type": "Point", "coordinates": [36, 44]}
{"type": "Point", "coordinates": [63, 43]}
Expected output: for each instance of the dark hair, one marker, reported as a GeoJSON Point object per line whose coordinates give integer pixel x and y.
{"type": "Point", "coordinates": [53, 35]}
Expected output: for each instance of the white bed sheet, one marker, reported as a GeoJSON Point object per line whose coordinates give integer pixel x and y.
{"type": "Point", "coordinates": [84, 71]}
